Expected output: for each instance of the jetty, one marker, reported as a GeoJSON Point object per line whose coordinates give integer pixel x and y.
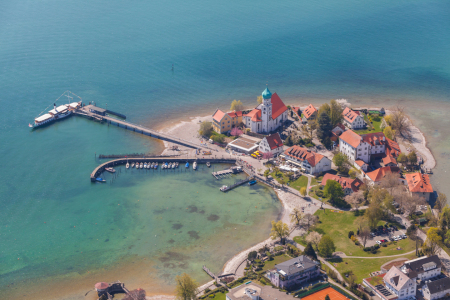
{"type": "Point", "coordinates": [122, 161]}
{"type": "Point", "coordinates": [232, 170]}
{"type": "Point", "coordinates": [99, 114]}
{"type": "Point", "coordinates": [109, 289]}
{"type": "Point", "coordinates": [227, 188]}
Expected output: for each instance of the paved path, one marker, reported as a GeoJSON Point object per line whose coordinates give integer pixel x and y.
{"type": "Point", "coordinates": [343, 255]}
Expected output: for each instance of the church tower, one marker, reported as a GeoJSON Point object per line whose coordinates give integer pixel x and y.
{"type": "Point", "coordinates": [266, 110]}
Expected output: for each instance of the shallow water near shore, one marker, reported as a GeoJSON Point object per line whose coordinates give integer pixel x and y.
{"type": "Point", "coordinates": [120, 55]}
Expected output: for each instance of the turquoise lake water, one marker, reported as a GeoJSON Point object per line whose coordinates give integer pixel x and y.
{"type": "Point", "coordinates": [120, 55]}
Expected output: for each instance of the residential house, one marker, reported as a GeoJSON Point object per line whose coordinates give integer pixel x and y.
{"type": "Point", "coordinates": [354, 147]}
{"type": "Point", "coordinates": [349, 185]}
{"type": "Point", "coordinates": [312, 162]}
{"type": "Point", "coordinates": [353, 119]}
{"type": "Point", "coordinates": [336, 132]}
{"type": "Point", "coordinates": [294, 271]}
{"type": "Point", "coordinates": [267, 116]}
{"type": "Point", "coordinates": [436, 289]}
{"type": "Point", "coordinates": [419, 184]}
{"type": "Point", "coordinates": [423, 268]}
{"type": "Point", "coordinates": [361, 165]}
{"type": "Point", "coordinates": [236, 118]}
{"type": "Point", "coordinates": [399, 283]}
{"type": "Point", "coordinates": [309, 113]}
{"type": "Point", "coordinates": [377, 175]}
{"type": "Point", "coordinates": [221, 122]}
{"type": "Point", "coordinates": [271, 143]}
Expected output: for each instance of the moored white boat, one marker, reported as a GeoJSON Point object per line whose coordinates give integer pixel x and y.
{"type": "Point", "coordinates": [141, 165]}
{"type": "Point", "coordinates": [145, 165]}
{"type": "Point", "coordinates": [194, 166]}
{"type": "Point", "coordinates": [111, 170]}
{"type": "Point", "coordinates": [132, 165]}
{"type": "Point", "coordinates": [127, 166]}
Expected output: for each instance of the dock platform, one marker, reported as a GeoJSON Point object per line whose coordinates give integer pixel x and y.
{"type": "Point", "coordinates": [227, 188]}
{"type": "Point", "coordinates": [232, 170]}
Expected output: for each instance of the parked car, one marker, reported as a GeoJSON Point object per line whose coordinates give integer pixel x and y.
{"type": "Point", "coordinates": [404, 236]}
{"type": "Point", "coordinates": [379, 242]}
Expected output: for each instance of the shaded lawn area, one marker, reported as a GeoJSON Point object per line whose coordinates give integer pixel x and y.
{"type": "Point", "coordinates": [270, 264]}
{"type": "Point", "coordinates": [313, 193]}
{"type": "Point", "coordinates": [300, 240]}
{"type": "Point", "coordinates": [338, 224]}
{"type": "Point", "coordinates": [297, 184]}
{"type": "Point", "coordinates": [361, 267]}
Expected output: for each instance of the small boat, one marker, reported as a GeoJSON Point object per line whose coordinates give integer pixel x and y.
{"type": "Point", "coordinates": [224, 188]}
{"type": "Point", "coordinates": [148, 166]}
{"type": "Point", "coordinates": [141, 165]}
{"type": "Point", "coordinates": [252, 182]}
{"type": "Point", "coordinates": [127, 166]}
{"type": "Point", "coordinates": [177, 165]}
{"type": "Point", "coordinates": [173, 165]}
{"type": "Point", "coordinates": [110, 170]}
{"type": "Point", "coordinates": [145, 165]}
{"type": "Point", "coordinates": [132, 165]}
{"type": "Point", "coordinates": [166, 165]}
{"type": "Point", "coordinates": [194, 166]}
{"type": "Point", "coordinates": [169, 166]}
{"type": "Point", "coordinates": [156, 165]}
{"type": "Point", "coordinates": [99, 179]}
{"type": "Point", "coordinates": [152, 165]}
{"type": "Point", "coordinates": [208, 164]}
{"type": "Point", "coordinates": [187, 165]}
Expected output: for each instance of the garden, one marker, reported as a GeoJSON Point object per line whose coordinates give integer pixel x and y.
{"type": "Point", "coordinates": [287, 178]}
{"type": "Point", "coordinates": [373, 121]}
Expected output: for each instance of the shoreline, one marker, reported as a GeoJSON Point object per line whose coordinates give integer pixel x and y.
{"type": "Point", "coordinates": [188, 130]}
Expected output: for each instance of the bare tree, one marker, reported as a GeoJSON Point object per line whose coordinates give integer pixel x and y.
{"type": "Point", "coordinates": [355, 199]}
{"type": "Point", "coordinates": [314, 238]}
{"type": "Point", "coordinates": [309, 220]}
{"type": "Point", "coordinates": [390, 182]}
{"type": "Point", "coordinates": [441, 201]}
{"type": "Point", "coordinates": [410, 202]}
{"type": "Point", "coordinates": [308, 129]}
{"type": "Point", "coordinates": [364, 235]}
{"type": "Point", "coordinates": [400, 123]}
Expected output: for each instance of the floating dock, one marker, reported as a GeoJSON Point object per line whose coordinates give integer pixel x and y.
{"type": "Point", "coordinates": [232, 170]}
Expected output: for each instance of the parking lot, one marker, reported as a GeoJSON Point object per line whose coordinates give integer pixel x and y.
{"type": "Point", "coordinates": [388, 234]}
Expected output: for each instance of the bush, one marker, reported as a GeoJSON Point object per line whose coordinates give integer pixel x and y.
{"type": "Point", "coordinates": [211, 296]}
{"type": "Point", "coordinates": [350, 234]}
{"type": "Point", "coordinates": [278, 248]}
{"type": "Point", "coordinates": [367, 249]}
{"type": "Point", "coordinates": [383, 245]}
{"type": "Point", "coordinates": [357, 243]}
{"type": "Point", "coordinates": [319, 193]}
{"type": "Point", "coordinates": [353, 238]}
{"type": "Point", "coordinates": [207, 290]}
{"type": "Point", "coordinates": [309, 145]}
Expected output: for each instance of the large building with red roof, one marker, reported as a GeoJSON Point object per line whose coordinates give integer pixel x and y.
{"type": "Point", "coordinates": [377, 175]}
{"type": "Point", "coordinates": [419, 184]}
{"type": "Point", "coordinates": [268, 116]}
{"type": "Point", "coordinates": [311, 162]}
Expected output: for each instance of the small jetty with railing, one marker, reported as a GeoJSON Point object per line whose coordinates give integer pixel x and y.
{"type": "Point", "coordinates": [227, 188]}
{"type": "Point", "coordinates": [225, 173]}
{"type": "Point", "coordinates": [108, 290]}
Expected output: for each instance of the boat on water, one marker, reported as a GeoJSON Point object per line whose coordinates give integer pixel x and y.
{"type": "Point", "coordinates": [145, 165]}
{"type": "Point", "coordinates": [173, 165]}
{"type": "Point", "coordinates": [132, 165]}
{"type": "Point", "coordinates": [127, 166]}
{"type": "Point", "coordinates": [194, 166]}
{"type": "Point", "coordinates": [224, 188]}
{"type": "Point", "coordinates": [110, 170]}
{"type": "Point", "coordinates": [252, 182]}
{"type": "Point", "coordinates": [156, 165]}
{"type": "Point", "coordinates": [57, 113]}
{"type": "Point", "coordinates": [166, 165]}
{"type": "Point", "coordinates": [141, 165]}
{"type": "Point", "coordinates": [208, 164]}
{"type": "Point", "coordinates": [187, 165]}
{"type": "Point", "coordinates": [152, 165]}
{"type": "Point", "coordinates": [177, 165]}
{"type": "Point", "coordinates": [99, 179]}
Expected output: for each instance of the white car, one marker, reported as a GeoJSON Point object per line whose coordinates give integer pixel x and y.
{"type": "Point", "coordinates": [379, 242]}
{"type": "Point", "coordinates": [395, 238]}
{"type": "Point", "coordinates": [404, 236]}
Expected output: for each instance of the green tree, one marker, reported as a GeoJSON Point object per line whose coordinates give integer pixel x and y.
{"type": "Point", "coordinates": [252, 255]}
{"type": "Point", "coordinates": [237, 105]}
{"type": "Point", "coordinates": [412, 158]}
{"type": "Point", "coordinates": [352, 173]}
{"type": "Point", "coordinates": [326, 246]}
{"type": "Point", "coordinates": [308, 129]}
{"type": "Point", "coordinates": [336, 111]}
{"type": "Point", "coordinates": [402, 158]}
{"type": "Point", "coordinates": [279, 230]}
{"type": "Point", "coordinates": [389, 132]}
{"type": "Point", "coordinates": [206, 129]}
{"type": "Point", "coordinates": [327, 297]}
{"type": "Point", "coordinates": [333, 190]}
{"type": "Point", "coordinates": [296, 216]}
{"type": "Point", "coordinates": [444, 218]}
{"type": "Point", "coordinates": [288, 141]}
{"type": "Point", "coordinates": [324, 126]}
{"type": "Point", "coordinates": [340, 161]}
{"type": "Point", "coordinates": [309, 251]}
{"type": "Point", "coordinates": [324, 108]}
{"type": "Point", "coordinates": [266, 173]}
{"type": "Point", "coordinates": [303, 191]}
{"type": "Point", "coordinates": [441, 201]}
{"type": "Point", "coordinates": [186, 288]}
{"type": "Point", "coordinates": [433, 240]}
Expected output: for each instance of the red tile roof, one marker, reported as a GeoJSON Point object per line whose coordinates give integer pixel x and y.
{"type": "Point", "coordinates": [309, 111]}
{"type": "Point", "coordinates": [380, 173]}
{"type": "Point", "coordinates": [389, 159]}
{"type": "Point", "coordinates": [419, 183]}
{"type": "Point", "coordinates": [235, 114]}
{"type": "Point", "coordinates": [274, 141]}
{"type": "Point", "coordinates": [345, 182]}
{"type": "Point", "coordinates": [255, 115]}
{"type": "Point", "coordinates": [360, 162]}
{"type": "Point", "coordinates": [375, 138]}
{"type": "Point", "coordinates": [278, 106]}
{"type": "Point", "coordinates": [351, 138]}
{"type": "Point", "coordinates": [350, 115]}
{"type": "Point", "coordinates": [392, 147]}
{"type": "Point", "coordinates": [218, 115]}
{"type": "Point", "coordinates": [304, 154]}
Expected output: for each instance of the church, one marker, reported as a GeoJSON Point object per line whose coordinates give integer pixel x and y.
{"type": "Point", "coordinates": [267, 116]}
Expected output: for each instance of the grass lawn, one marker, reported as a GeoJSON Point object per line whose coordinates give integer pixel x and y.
{"type": "Point", "coordinates": [219, 296]}
{"type": "Point", "coordinates": [360, 267]}
{"type": "Point", "coordinates": [376, 126]}
{"type": "Point", "coordinates": [297, 184]}
{"type": "Point", "coordinates": [312, 193]}
{"type": "Point", "coordinates": [337, 225]}
{"type": "Point", "coordinates": [270, 264]}
{"type": "Point", "coordinates": [299, 240]}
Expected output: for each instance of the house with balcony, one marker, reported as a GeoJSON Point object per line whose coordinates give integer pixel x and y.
{"type": "Point", "coordinates": [293, 272]}
{"type": "Point", "coordinates": [423, 268]}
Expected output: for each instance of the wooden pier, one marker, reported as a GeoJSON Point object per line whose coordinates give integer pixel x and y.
{"type": "Point", "coordinates": [85, 112]}
{"type": "Point", "coordinates": [232, 170]}
{"type": "Point", "coordinates": [227, 188]}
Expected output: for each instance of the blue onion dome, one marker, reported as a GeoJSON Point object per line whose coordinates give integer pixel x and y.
{"type": "Point", "coordinates": [267, 94]}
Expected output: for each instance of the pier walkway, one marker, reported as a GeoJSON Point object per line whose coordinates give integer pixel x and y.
{"type": "Point", "coordinates": [227, 188]}
{"type": "Point", "coordinates": [121, 161]}
{"type": "Point", "coordinates": [136, 128]}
